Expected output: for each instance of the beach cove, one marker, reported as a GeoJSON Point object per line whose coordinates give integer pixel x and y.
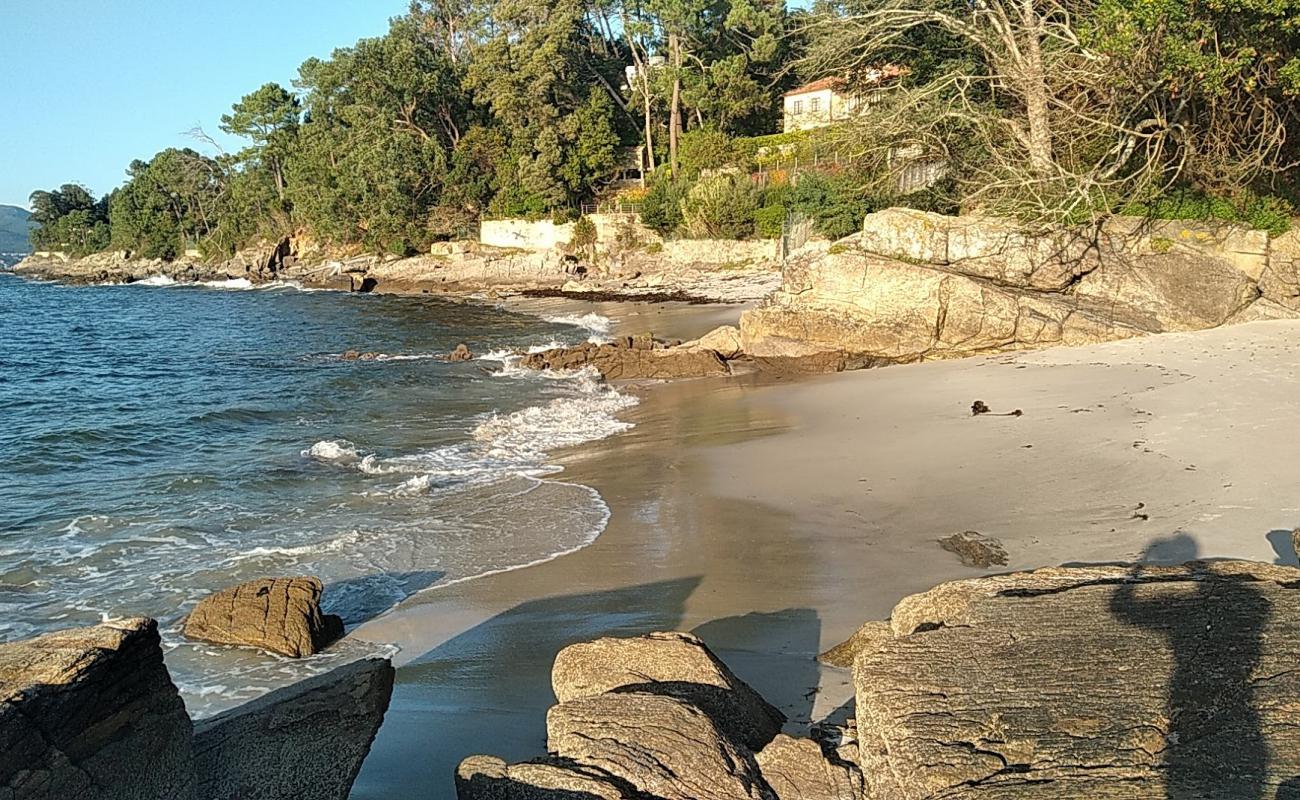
{"type": "Point", "coordinates": [773, 517]}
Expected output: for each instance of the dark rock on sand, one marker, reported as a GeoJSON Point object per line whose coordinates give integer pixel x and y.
{"type": "Point", "coordinates": [673, 664]}
{"type": "Point", "coordinates": [975, 549]}
{"type": "Point", "coordinates": [461, 353]}
{"type": "Point", "coordinates": [1103, 682]}
{"type": "Point", "coordinates": [92, 714]}
{"type": "Point", "coordinates": [306, 740]}
{"type": "Point", "coordinates": [868, 636]}
{"type": "Point", "coordinates": [281, 615]}
{"type": "Point", "coordinates": [797, 769]}
{"type": "Point", "coordinates": [663, 746]}
{"type": "Point", "coordinates": [490, 778]}
{"type": "Point", "coordinates": [635, 357]}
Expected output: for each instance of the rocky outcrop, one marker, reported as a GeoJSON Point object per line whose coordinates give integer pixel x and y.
{"type": "Point", "coordinates": [915, 286]}
{"type": "Point", "coordinates": [974, 549]}
{"type": "Point", "coordinates": [673, 664]}
{"type": "Point", "coordinates": [868, 636]}
{"type": "Point", "coordinates": [797, 769]}
{"type": "Point", "coordinates": [659, 717]}
{"type": "Point", "coordinates": [461, 353]}
{"type": "Point", "coordinates": [281, 615]}
{"type": "Point", "coordinates": [1280, 281]}
{"type": "Point", "coordinates": [724, 340]}
{"type": "Point", "coordinates": [1112, 681]}
{"type": "Point", "coordinates": [92, 714]}
{"type": "Point", "coordinates": [490, 778]}
{"type": "Point", "coordinates": [665, 747]}
{"type": "Point", "coordinates": [632, 357]}
{"type": "Point", "coordinates": [306, 740]}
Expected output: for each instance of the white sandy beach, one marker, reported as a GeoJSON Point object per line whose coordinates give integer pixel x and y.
{"type": "Point", "coordinates": [772, 518]}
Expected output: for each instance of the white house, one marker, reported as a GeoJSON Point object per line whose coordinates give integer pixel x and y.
{"type": "Point", "coordinates": [827, 101]}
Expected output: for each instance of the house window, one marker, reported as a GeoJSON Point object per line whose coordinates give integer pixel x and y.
{"type": "Point", "coordinates": [798, 107]}
{"type": "Point", "coordinates": [815, 105]}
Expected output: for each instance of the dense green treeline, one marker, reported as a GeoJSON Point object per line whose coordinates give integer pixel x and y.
{"type": "Point", "coordinates": [1041, 109]}
{"type": "Point", "coordinates": [462, 109]}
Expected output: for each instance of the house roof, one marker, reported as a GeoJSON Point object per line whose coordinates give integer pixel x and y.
{"type": "Point", "coordinates": [817, 86]}
{"type": "Point", "coordinates": [836, 83]}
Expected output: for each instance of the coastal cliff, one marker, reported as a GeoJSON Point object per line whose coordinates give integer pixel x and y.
{"type": "Point", "coordinates": [915, 286]}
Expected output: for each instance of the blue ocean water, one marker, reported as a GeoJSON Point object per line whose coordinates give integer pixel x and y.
{"type": "Point", "coordinates": [158, 442]}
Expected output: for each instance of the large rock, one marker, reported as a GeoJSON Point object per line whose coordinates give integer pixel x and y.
{"type": "Point", "coordinates": [631, 358]}
{"type": "Point", "coordinates": [305, 741]}
{"type": "Point", "coordinates": [915, 286]}
{"type": "Point", "coordinates": [797, 769]}
{"type": "Point", "coordinates": [1123, 682]}
{"type": "Point", "coordinates": [663, 746]}
{"type": "Point", "coordinates": [281, 615]}
{"type": "Point", "coordinates": [674, 664]}
{"type": "Point", "coordinates": [490, 778]}
{"type": "Point", "coordinates": [1280, 281]}
{"type": "Point", "coordinates": [91, 714]}
{"type": "Point", "coordinates": [724, 340]}
{"type": "Point", "coordinates": [851, 301]}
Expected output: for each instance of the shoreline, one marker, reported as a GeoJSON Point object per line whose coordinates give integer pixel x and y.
{"type": "Point", "coordinates": [773, 517]}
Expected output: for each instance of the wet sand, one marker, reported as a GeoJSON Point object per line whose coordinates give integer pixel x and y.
{"type": "Point", "coordinates": [773, 517]}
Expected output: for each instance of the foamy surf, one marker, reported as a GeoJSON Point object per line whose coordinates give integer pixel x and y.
{"type": "Point", "coordinates": [597, 324]}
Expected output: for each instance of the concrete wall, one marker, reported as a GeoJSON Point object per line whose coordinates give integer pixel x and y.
{"type": "Point", "coordinates": [524, 234]}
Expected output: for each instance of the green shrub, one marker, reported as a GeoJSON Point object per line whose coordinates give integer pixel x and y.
{"type": "Point", "coordinates": [1262, 212]}
{"type": "Point", "coordinates": [704, 149]}
{"type": "Point", "coordinates": [721, 207]}
{"type": "Point", "coordinates": [584, 234]}
{"type": "Point", "coordinates": [769, 221]}
{"type": "Point", "coordinates": [836, 204]}
{"type": "Point", "coordinates": [661, 211]}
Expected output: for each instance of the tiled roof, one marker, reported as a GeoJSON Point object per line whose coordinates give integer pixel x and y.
{"type": "Point", "coordinates": [817, 86]}
{"type": "Point", "coordinates": [837, 83]}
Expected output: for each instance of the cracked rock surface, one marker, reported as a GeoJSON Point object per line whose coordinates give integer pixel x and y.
{"type": "Point", "coordinates": [92, 714]}
{"type": "Point", "coordinates": [664, 746]}
{"type": "Point", "coordinates": [1109, 681]}
{"type": "Point", "coordinates": [674, 664]}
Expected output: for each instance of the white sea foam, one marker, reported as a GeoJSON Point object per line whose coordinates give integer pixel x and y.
{"type": "Point", "coordinates": [228, 283]}
{"type": "Point", "coordinates": [156, 280]}
{"type": "Point", "coordinates": [596, 323]}
{"type": "Point", "coordinates": [333, 450]}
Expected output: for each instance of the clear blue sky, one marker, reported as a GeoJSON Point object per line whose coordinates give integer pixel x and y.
{"type": "Point", "coordinates": [88, 85]}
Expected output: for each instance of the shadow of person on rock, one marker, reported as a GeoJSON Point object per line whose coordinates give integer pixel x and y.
{"type": "Point", "coordinates": [1214, 747]}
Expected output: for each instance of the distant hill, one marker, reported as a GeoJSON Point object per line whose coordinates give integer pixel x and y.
{"type": "Point", "coordinates": [15, 224]}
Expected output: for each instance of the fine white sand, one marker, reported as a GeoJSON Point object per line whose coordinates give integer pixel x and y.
{"type": "Point", "coordinates": [773, 518]}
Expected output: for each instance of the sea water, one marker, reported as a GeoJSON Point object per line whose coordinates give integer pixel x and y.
{"type": "Point", "coordinates": [161, 441]}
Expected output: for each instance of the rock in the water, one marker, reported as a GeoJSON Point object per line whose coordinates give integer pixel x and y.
{"type": "Point", "coordinates": [490, 778]}
{"type": "Point", "coordinates": [674, 664]}
{"type": "Point", "coordinates": [797, 769]}
{"type": "Point", "coordinates": [91, 714]}
{"type": "Point", "coordinates": [663, 746]}
{"type": "Point", "coordinates": [1101, 682]}
{"type": "Point", "coordinates": [306, 740]}
{"type": "Point", "coordinates": [725, 341]}
{"type": "Point", "coordinates": [461, 353]}
{"type": "Point", "coordinates": [868, 636]}
{"type": "Point", "coordinates": [637, 357]}
{"type": "Point", "coordinates": [975, 549]}
{"type": "Point", "coordinates": [281, 615]}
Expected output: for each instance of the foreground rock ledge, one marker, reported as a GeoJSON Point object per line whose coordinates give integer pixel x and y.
{"type": "Point", "coordinates": [305, 740]}
{"type": "Point", "coordinates": [281, 615]}
{"type": "Point", "coordinates": [675, 664]}
{"type": "Point", "coordinates": [92, 714]}
{"type": "Point", "coordinates": [1124, 682]}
